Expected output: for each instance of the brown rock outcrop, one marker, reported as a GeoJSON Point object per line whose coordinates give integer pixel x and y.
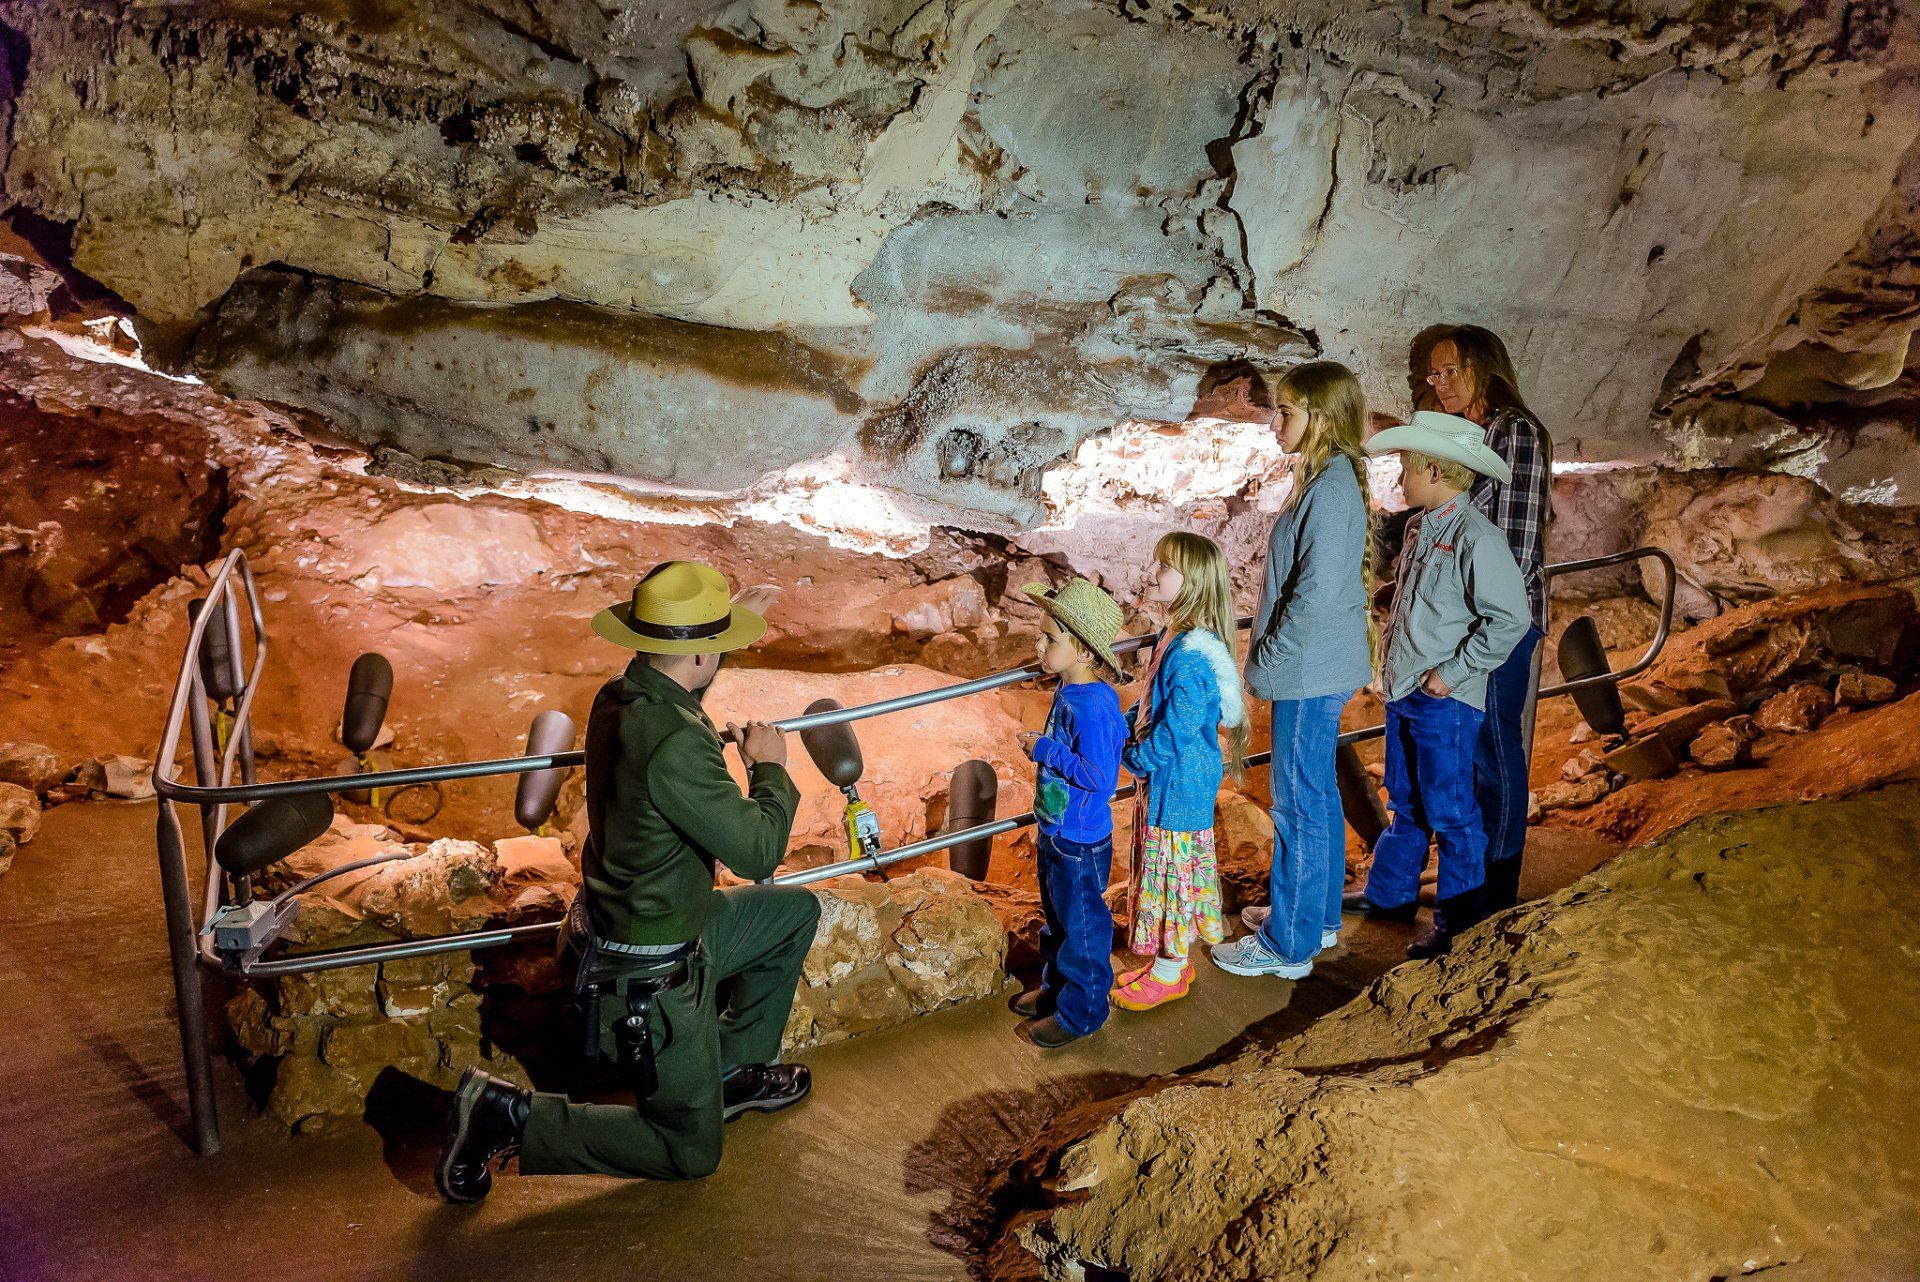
{"type": "Point", "coordinates": [32, 766]}
{"type": "Point", "coordinates": [1725, 745]}
{"type": "Point", "coordinates": [1795, 710]}
{"type": "Point", "coordinates": [1862, 689]}
{"type": "Point", "coordinates": [1768, 644]}
{"type": "Point", "coordinates": [1562, 1074]}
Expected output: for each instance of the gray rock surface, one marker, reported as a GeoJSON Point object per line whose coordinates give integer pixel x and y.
{"type": "Point", "coordinates": [949, 242]}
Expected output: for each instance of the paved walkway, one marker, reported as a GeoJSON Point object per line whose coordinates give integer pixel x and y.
{"type": "Point", "coordinates": [878, 1176]}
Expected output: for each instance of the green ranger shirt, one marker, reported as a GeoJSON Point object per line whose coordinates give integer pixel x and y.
{"type": "Point", "coordinates": [662, 809]}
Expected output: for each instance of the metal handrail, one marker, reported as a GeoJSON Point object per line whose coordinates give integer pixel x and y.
{"type": "Point", "coordinates": [191, 947]}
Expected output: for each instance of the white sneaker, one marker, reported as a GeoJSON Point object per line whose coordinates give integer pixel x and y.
{"type": "Point", "coordinates": [1248, 956]}
{"type": "Point", "coordinates": [1257, 916]}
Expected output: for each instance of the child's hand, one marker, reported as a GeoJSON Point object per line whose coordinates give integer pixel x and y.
{"type": "Point", "coordinates": [1434, 686]}
{"type": "Point", "coordinates": [1027, 739]}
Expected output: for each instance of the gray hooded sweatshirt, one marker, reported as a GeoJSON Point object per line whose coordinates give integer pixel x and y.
{"type": "Point", "coordinates": [1309, 635]}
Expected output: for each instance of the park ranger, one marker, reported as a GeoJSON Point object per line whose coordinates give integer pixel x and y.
{"type": "Point", "coordinates": [697, 982]}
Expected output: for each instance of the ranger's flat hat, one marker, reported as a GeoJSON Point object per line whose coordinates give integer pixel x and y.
{"type": "Point", "coordinates": [681, 607]}
{"type": "Point", "coordinates": [1444, 436]}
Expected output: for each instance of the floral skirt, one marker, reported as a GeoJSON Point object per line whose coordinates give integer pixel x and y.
{"type": "Point", "coordinates": [1176, 892]}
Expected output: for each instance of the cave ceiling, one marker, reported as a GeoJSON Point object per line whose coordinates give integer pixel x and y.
{"type": "Point", "coordinates": [692, 244]}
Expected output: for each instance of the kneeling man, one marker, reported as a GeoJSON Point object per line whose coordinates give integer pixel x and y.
{"type": "Point", "coordinates": [708, 975]}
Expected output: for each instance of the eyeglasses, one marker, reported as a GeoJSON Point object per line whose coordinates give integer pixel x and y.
{"type": "Point", "coordinates": [1445, 374]}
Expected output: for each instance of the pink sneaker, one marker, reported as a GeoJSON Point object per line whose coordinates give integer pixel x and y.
{"type": "Point", "coordinates": [1141, 991]}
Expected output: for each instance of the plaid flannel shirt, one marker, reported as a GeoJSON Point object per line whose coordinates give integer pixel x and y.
{"type": "Point", "coordinates": [1522, 508]}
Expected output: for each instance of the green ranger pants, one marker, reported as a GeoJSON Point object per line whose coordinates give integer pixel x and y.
{"type": "Point", "coordinates": [731, 1011]}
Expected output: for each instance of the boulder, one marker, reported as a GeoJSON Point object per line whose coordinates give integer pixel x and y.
{"type": "Point", "coordinates": [1648, 757]}
{"type": "Point", "coordinates": [335, 1032]}
{"type": "Point", "coordinates": [1582, 765]}
{"type": "Point", "coordinates": [887, 951]}
{"type": "Point", "coordinates": [1680, 726]}
{"type": "Point", "coordinates": [1725, 745]}
{"type": "Point", "coordinates": [1862, 690]}
{"type": "Point", "coordinates": [1795, 710]}
{"type": "Point", "coordinates": [32, 766]}
{"type": "Point", "coordinates": [1571, 796]}
{"type": "Point", "coordinates": [126, 777]}
{"type": "Point", "coordinates": [1243, 851]}
{"type": "Point", "coordinates": [19, 813]}
{"type": "Point", "coordinates": [1769, 644]}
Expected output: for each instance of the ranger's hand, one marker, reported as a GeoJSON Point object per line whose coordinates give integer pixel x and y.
{"type": "Point", "coordinates": [759, 599]}
{"type": "Point", "coordinates": [759, 743]}
{"type": "Point", "coordinates": [1434, 686]}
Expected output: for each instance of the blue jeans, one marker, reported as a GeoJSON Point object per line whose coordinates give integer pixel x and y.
{"type": "Point", "coordinates": [1430, 744]}
{"type": "Point", "coordinates": [1309, 830]}
{"type": "Point", "coordinates": [1076, 937]}
{"type": "Point", "coordinates": [1500, 773]}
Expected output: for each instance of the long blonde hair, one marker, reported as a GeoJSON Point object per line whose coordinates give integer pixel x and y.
{"type": "Point", "coordinates": [1336, 427]}
{"type": "Point", "coordinates": [1206, 601]}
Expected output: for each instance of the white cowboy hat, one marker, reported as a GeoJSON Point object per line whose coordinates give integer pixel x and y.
{"type": "Point", "coordinates": [1444, 436]}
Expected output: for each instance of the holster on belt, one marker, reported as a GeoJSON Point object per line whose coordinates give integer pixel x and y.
{"type": "Point", "coordinates": [636, 975]}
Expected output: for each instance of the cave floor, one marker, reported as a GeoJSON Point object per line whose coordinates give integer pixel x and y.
{"type": "Point", "coordinates": [878, 1176]}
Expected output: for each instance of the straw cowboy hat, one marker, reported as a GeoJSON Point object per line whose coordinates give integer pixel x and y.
{"type": "Point", "coordinates": [1444, 436]}
{"type": "Point", "coordinates": [681, 607]}
{"type": "Point", "coordinates": [1085, 611]}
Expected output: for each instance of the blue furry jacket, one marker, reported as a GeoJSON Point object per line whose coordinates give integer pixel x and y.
{"type": "Point", "coordinates": [1195, 693]}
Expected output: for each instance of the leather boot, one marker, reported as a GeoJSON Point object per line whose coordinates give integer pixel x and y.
{"type": "Point", "coordinates": [763, 1088]}
{"type": "Point", "coordinates": [1356, 901]}
{"type": "Point", "coordinates": [488, 1119]}
{"type": "Point", "coordinates": [1029, 1004]}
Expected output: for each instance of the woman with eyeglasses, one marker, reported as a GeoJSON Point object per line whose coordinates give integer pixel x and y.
{"type": "Point", "coordinates": [1465, 370]}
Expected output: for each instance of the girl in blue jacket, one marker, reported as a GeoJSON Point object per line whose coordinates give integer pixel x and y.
{"type": "Point", "coordinates": [1192, 691]}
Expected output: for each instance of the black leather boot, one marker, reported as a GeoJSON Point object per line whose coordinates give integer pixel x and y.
{"type": "Point", "coordinates": [764, 1088]}
{"type": "Point", "coordinates": [489, 1116]}
{"type": "Point", "coordinates": [1030, 1004]}
{"type": "Point", "coordinates": [1356, 901]}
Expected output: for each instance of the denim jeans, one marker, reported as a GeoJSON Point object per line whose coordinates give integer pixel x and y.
{"type": "Point", "coordinates": [1500, 772]}
{"type": "Point", "coordinates": [1430, 745]}
{"type": "Point", "coordinates": [1309, 830]}
{"type": "Point", "coordinates": [1076, 937]}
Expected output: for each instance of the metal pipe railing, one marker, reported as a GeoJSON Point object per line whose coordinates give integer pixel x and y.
{"type": "Point", "coordinates": [188, 706]}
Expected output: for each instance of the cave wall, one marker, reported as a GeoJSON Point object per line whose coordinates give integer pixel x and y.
{"type": "Point", "coordinates": [696, 245]}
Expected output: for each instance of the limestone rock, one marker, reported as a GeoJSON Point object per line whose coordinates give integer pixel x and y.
{"type": "Point", "coordinates": [1581, 765]}
{"type": "Point", "coordinates": [1571, 796]}
{"type": "Point", "coordinates": [1862, 690]}
{"type": "Point", "coordinates": [1681, 726]}
{"type": "Point", "coordinates": [934, 247]}
{"type": "Point", "coordinates": [1643, 757]}
{"type": "Point", "coordinates": [1726, 744]}
{"type": "Point", "coordinates": [1451, 1111]}
{"type": "Point", "coordinates": [335, 1032]}
{"type": "Point", "coordinates": [1766, 645]}
{"type": "Point", "coordinates": [886, 951]}
{"type": "Point", "coordinates": [1756, 535]}
{"type": "Point", "coordinates": [32, 766]}
{"type": "Point", "coordinates": [1795, 710]}
{"type": "Point", "coordinates": [1243, 851]}
{"type": "Point", "coordinates": [19, 813]}
{"type": "Point", "coordinates": [127, 777]}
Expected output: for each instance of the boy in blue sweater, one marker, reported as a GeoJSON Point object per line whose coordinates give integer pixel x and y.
{"type": "Point", "coordinates": [1079, 759]}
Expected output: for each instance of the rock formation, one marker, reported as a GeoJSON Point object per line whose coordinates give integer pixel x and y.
{"type": "Point", "coordinates": [945, 243]}
{"type": "Point", "coordinates": [1479, 1115]}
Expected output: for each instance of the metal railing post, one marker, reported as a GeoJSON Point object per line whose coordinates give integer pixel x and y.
{"type": "Point", "coordinates": [184, 953]}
